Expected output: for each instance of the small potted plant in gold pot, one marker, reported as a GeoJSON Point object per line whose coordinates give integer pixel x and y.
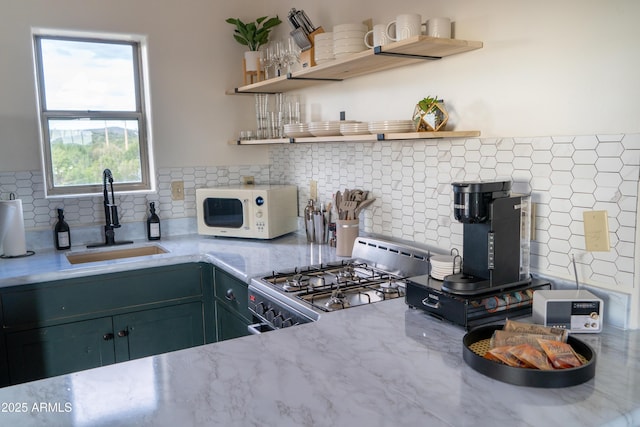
{"type": "Point", "coordinates": [430, 115]}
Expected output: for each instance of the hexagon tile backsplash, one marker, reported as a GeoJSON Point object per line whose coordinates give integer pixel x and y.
{"type": "Point", "coordinates": [412, 183]}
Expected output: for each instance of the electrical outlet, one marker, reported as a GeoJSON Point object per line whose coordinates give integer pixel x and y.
{"type": "Point", "coordinates": [177, 190]}
{"type": "Point", "coordinates": [248, 180]}
{"type": "Point", "coordinates": [596, 231]}
{"type": "Point", "coordinates": [313, 190]}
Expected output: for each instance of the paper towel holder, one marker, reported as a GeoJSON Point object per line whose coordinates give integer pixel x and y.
{"type": "Point", "coordinates": [12, 196]}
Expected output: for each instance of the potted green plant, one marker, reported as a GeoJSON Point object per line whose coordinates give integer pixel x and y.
{"type": "Point", "coordinates": [253, 35]}
{"type": "Point", "coordinates": [430, 114]}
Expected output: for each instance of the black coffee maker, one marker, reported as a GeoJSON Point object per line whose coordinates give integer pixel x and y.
{"type": "Point", "coordinates": [496, 238]}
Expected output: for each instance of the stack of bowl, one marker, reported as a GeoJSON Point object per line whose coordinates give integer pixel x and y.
{"type": "Point", "coordinates": [444, 265]}
{"type": "Point", "coordinates": [392, 126]}
{"type": "Point", "coordinates": [355, 128]}
{"type": "Point", "coordinates": [323, 47]}
{"type": "Point", "coordinates": [329, 128]}
{"type": "Point", "coordinates": [297, 130]}
{"type": "Point", "coordinates": [348, 39]}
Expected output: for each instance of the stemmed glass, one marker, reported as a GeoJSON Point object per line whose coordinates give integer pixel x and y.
{"type": "Point", "coordinates": [291, 53]}
{"type": "Point", "coordinates": [277, 53]}
{"type": "Point", "coordinates": [267, 59]}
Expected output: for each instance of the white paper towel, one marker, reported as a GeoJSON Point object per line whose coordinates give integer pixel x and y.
{"type": "Point", "coordinates": [6, 216]}
{"type": "Point", "coordinates": [14, 243]}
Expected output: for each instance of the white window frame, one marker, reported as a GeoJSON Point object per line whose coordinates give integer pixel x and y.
{"type": "Point", "coordinates": [142, 114]}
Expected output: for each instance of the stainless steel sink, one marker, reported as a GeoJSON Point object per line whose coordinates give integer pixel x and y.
{"type": "Point", "coordinates": [114, 253]}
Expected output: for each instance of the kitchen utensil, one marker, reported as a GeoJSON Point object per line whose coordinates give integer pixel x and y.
{"type": "Point", "coordinates": [363, 204]}
{"type": "Point", "coordinates": [347, 207]}
{"type": "Point", "coordinates": [318, 223]}
{"type": "Point", "coordinates": [301, 39]}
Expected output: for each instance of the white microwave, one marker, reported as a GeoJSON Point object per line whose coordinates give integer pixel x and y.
{"type": "Point", "coordinates": [249, 211]}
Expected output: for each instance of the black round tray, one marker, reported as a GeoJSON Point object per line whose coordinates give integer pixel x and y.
{"type": "Point", "coordinates": [525, 376]}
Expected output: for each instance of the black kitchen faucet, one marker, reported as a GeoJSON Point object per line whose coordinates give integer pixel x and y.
{"type": "Point", "coordinates": [110, 213]}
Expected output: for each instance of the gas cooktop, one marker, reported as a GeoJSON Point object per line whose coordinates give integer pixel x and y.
{"type": "Point", "coordinates": [376, 273]}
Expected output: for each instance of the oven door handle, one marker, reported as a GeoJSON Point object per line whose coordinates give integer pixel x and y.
{"type": "Point", "coordinates": [258, 328]}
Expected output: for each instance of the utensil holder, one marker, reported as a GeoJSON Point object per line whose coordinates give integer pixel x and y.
{"type": "Point", "coordinates": [346, 232]}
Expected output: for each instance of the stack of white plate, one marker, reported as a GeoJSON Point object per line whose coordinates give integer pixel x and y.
{"type": "Point", "coordinates": [297, 130]}
{"type": "Point", "coordinates": [354, 128]}
{"type": "Point", "coordinates": [392, 126]}
{"type": "Point", "coordinates": [348, 39]}
{"type": "Point", "coordinates": [323, 48]}
{"type": "Point", "coordinates": [331, 128]}
{"type": "Point", "coordinates": [444, 265]}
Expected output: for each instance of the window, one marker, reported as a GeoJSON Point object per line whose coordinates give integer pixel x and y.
{"type": "Point", "coordinates": [92, 113]}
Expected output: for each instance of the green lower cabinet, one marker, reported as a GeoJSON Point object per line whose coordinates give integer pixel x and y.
{"type": "Point", "coordinates": [230, 324]}
{"type": "Point", "coordinates": [68, 325]}
{"type": "Point", "coordinates": [156, 331]}
{"type": "Point", "coordinates": [55, 350]}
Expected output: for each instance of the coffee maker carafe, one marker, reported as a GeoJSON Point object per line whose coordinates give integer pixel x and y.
{"type": "Point", "coordinates": [495, 240]}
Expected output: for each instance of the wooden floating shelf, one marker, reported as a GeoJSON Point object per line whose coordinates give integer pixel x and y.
{"type": "Point", "coordinates": [363, 138]}
{"type": "Point", "coordinates": [393, 55]}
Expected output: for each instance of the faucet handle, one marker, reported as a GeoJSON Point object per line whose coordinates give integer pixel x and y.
{"type": "Point", "coordinates": [114, 216]}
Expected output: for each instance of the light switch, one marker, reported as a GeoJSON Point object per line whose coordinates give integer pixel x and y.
{"type": "Point", "coordinates": [596, 231]}
{"type": "Point", "coordinates": [177, 190]}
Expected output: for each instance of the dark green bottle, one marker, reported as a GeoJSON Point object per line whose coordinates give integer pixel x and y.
{"type": "Point", "coordinates": [62, 234]}
{"type": "Point", "coordinates": [153, 223]}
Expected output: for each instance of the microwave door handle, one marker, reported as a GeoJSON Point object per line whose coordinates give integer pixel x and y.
{"type": "Point", "coordinates": [245, 213]}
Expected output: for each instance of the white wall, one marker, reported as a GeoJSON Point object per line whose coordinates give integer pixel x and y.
{"type": "Point", "coordinates": [547, 67]}
{"type": "Point", "coordinates": [192, 58]}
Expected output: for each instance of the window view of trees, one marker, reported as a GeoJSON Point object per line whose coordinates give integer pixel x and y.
{"type": "Point", "coordinates": [92, 112]}
{"type": "Point", "coordinates": [80, 155]}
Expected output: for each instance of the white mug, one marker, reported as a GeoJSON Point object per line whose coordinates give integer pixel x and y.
{"type": "Point", "coordinates": [439, 27]}
{"type": "Point", "coordinates": [379, 34]}
{"type": "Point", "coordinates": [406, 25]}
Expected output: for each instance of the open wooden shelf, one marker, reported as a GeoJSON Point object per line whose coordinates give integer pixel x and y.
{"type": "Point", "coordinates": [363, 138]}
{"type": "Point", "coordinates": [394, 55]}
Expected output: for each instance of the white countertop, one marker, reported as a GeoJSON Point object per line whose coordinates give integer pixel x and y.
{"type": "Point", "coordinates": [244, 258]}
{"type": "Point", "coordinates": [377, 365]}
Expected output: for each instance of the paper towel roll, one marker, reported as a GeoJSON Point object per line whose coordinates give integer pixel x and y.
{"type": "Point", "coordinates": [6, 216]}
{"type": "Point", "coordinates": [14, 243]}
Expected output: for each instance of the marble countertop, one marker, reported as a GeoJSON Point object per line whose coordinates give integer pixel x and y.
{"type": "Point", "coordinates": [244, 258]}
{"type": "Point", "coordinates": [378, 365]}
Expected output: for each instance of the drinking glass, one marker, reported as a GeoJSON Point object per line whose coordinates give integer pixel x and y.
{"type": "Point", "coordinates": [291, 53]}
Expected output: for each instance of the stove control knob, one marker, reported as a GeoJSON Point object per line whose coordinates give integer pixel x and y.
{"type": "Point", "coordinates": [287, 322]}
{"type": "Point", "coordinates": [270, 314]}
{"type": "Point", "coordinates": [260, 308]}
{"type": "Point", "coordinates": [278, 321]}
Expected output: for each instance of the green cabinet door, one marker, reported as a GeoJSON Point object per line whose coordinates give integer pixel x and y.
{"type": "Point", "coordinates": [55, 350]}
{"type": "Point", "coordinates": [160, 330]}
{"type": "Point", "coordinates": [230, 324]}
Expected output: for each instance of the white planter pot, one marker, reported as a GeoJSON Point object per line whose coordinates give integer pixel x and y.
{"type": "Point", "coordinates": [252, 60]}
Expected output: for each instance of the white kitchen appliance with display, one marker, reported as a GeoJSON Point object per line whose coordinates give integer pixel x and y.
{"type": "Point", "coordinates": [249, 211]}
{"type": "Point", "coordinates": [576, 310]}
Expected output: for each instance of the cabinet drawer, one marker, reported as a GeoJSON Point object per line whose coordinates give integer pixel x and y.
{"type": "Point", "coordinates": [90, 295]}
{"type": "Point", "coordinates": [232, 292]}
